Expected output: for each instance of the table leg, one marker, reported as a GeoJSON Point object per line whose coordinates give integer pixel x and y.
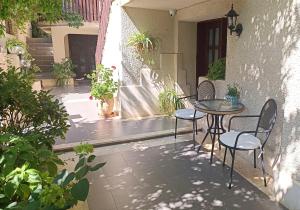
{"type": "Point", "coordinates": [214, 137]}
{"type": "Point", "coordinates": [210, 127]}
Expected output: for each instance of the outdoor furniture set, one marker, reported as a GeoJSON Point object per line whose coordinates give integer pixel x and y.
{"type": "Point", "coordinates": [206, 105]}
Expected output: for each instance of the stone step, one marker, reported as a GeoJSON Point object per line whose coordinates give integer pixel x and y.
{"type": "Point", "coordinates": [40, 48]}
{"type": "Point", "coordinates": [39, 40]}
{"type": "Point", "coordinates": [45, 68]}
{"type": "Point", "coordinates": [40, 52]}
{"type": "Point", "coordinates": [44, 62]}
{"type": "Point", "coordinates": [39, 44]}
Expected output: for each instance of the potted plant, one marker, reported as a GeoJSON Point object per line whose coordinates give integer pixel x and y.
{"type": "Point", "coordinates": [233, 94]}
{"type": "Point", "coordinates": [63, 72]}
{"type": "Point", "coordinates": [103, 88]}
{"type": "Point", "coordinates": [15, 46]}
{"type": "Point", "coordinates": [216, 70]}
{"type": "Point", "coordinates": [144, 44]}
{"type": "Point", "coordinates": [168, 101]}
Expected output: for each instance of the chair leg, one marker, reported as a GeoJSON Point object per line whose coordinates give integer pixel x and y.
{"type": "Point", "coordinates": [176, 127]}
{"type": "Point", "coordinates": [254, 158]}
{"type": "Point", "coordinates": [202, 142]}
{"type": "Point", "coordinates": [231, 170]}
{"type": "Point", "coordinates": [194, 138]}
{"type": "Point", "coordinates": [224, 160]}
{"type": "Point", "coordinates": [196, 128]}
{"type": "Point", "coordinates": [263, 168]}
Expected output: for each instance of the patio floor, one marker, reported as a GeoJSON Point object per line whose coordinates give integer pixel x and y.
{"type": "Point", "coordinates": [86, 124]}
{"type": "Point", "coordinates": [164, 174]}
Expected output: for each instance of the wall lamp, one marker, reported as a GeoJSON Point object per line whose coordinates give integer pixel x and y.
{"type": "Point", "coordinates": [232, 16]}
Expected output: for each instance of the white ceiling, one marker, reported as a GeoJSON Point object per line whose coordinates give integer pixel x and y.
{"type": "Point", "coordinates": [164, 4]}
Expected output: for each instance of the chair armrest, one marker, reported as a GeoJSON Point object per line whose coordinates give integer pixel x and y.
{"type": "Point", "coordinates": [241, 116]}
{"type": "Point", "coordinates": [185, 97]}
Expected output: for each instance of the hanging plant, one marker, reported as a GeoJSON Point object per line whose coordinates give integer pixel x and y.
{"type": "Point", "coordinates": [144, 45]}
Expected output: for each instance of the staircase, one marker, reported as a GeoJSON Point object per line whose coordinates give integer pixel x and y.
{"type": "Point", "coordinates": [41, 50]}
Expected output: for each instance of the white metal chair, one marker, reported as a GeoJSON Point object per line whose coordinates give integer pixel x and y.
{"type": "Point", "coordinates": [205, 90]}
{"type": "Point", "coordinates": [248, 140]}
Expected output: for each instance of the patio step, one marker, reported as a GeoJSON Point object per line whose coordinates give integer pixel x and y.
{"type": "Point", "coordinates": [41, 50]}
{"type": "Point", "coordinates": [121, 140]}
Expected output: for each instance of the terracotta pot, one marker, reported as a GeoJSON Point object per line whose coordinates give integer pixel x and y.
{"type": "Point", "coordinates": [106, 108]}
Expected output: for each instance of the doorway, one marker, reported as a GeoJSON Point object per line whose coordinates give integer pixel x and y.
{"type": "Point", "coordinates": [211, 43]}
{"type": "Point", "coordinates": [82, 53]}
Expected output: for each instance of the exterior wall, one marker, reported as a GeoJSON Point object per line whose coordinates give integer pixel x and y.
{"type": "Point", "coordinates": [60, 38]}
{"type": "Point", "coordinates": [265, 62]}
{"type": "Point", "coordinates": [140, 83]}
{"type": "Point", "coordinates": [187, 46]}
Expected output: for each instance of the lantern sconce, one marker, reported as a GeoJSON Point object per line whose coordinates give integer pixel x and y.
{"type": "Point", "coordinates": [232, 16]}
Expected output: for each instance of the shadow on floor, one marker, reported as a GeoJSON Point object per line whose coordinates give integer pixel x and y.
{"type": "Point", "coordinates": [171, 176]}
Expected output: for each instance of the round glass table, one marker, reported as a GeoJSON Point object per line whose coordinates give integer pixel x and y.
{"type": "Point", "coordinates": [217, 109]}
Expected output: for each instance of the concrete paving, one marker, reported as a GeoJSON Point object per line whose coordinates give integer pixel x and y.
{"type": "Point", "coordinates": [86, 125]}
{"type": "Point", "coordinates": [166, 174]}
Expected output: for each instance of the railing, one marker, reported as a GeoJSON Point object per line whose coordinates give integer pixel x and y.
{"type": "Point", "coordinates": [88, 9]}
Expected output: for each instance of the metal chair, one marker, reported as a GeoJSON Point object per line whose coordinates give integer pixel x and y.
{"type": "Point", "coordinates": [205, 90]}
{"type": "Point", "coordinates": [248, 140]}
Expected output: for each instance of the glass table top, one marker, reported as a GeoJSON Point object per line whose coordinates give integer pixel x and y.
{"type": "Point", "coordinates": [218, 106]}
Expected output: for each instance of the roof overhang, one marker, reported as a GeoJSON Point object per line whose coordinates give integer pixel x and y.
{"type": "Point", "coordinates": [162, 4]}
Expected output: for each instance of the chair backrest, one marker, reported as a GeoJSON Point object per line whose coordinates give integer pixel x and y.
{"type": "Point", "coordinates": [206, 90]}
{"type": "Point", "coordinates": [267, 118]}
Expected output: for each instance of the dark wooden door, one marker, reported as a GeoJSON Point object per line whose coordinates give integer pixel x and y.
{"type": "Point", "coordinates": [211, 43]}
{"type": "Point", "coordinates": [82, 53]}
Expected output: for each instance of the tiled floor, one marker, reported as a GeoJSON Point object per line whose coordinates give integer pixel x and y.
{"type": "Point", "coordinates": [166, 175]}
{"type": "Point", "coordinates": [86, 125]}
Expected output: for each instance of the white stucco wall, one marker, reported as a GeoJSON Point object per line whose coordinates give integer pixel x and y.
{"type": "Point", "coordinates": [265, 62]}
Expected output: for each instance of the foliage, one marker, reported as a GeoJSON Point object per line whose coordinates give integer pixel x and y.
{"type": "Point", "coordinates": [169, 101]}
{"type": "Point", "coordinates": [29, 177]}
{"type": "Point", "coordinates": [24, 111]}
{"type": "Point", "coordinates": [22, 12]}
{"type": "Point", "coordinates": [233, 90]}
{"type": "Point", "coordinates": [63, 71]}
{"type": "Point", "coordinates": [144, 44]}
{"type": "Point", "coordinates": [73, 19]}
{"type": "Point", "coordinates": [36, 32]}
{"type": "Point", "coordinates": [103, 85]}
{"type": "Point", "coordinates": [84, 149]}
{"type": "Point", "coordinates": [13, 42]}
{"type": "Point", "coordinates": [216, 70]}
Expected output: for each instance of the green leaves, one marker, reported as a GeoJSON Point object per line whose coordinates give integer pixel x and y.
{"type": "Point", "coordinates": [216, 70]}
{"type": "Point", "coordinates": [103, 86]}
{"type": "Point", "coordinates": [80, 190]}
{"type": "Point", "coordinates": [168, 101]}
{"type": "Point", "coordinates": [63, 71]}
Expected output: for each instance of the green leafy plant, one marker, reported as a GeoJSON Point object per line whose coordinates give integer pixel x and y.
{"type": "Point", "coordinates": [63, 71]}
{"type": "Point", "coordinates": [169, 101]}
{"type": "Point", "coordinates": [13, 42]}
{"type": "Point", "coordinates": [233, 90]}
{"type": "Point", "coordinates": [30, 179]}
{"type": "Point", "coordinates": [24, 111]}
{"type": "Point", "coordinates": [103, 85]}
{"type": "Point", "coordinates": [22, 12]}
{"type": "Point", "coordinates": [216, 70]}
{"type": "Point", "coordinates": [144, 44]}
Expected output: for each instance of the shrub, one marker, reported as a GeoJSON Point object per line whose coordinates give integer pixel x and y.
{"type": "Point", "coordinates": [103, 86]}
{"type": "Point", "coordinates": [63, 71]}
{"type": "Point", "coordinates": [30, 180]}
{"type": "Point", "coordinates": [169, 101]}
{"type": "Point", "coordinates": [24, 111]}
{"type": "Point", "coordinates": [216, 70]}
